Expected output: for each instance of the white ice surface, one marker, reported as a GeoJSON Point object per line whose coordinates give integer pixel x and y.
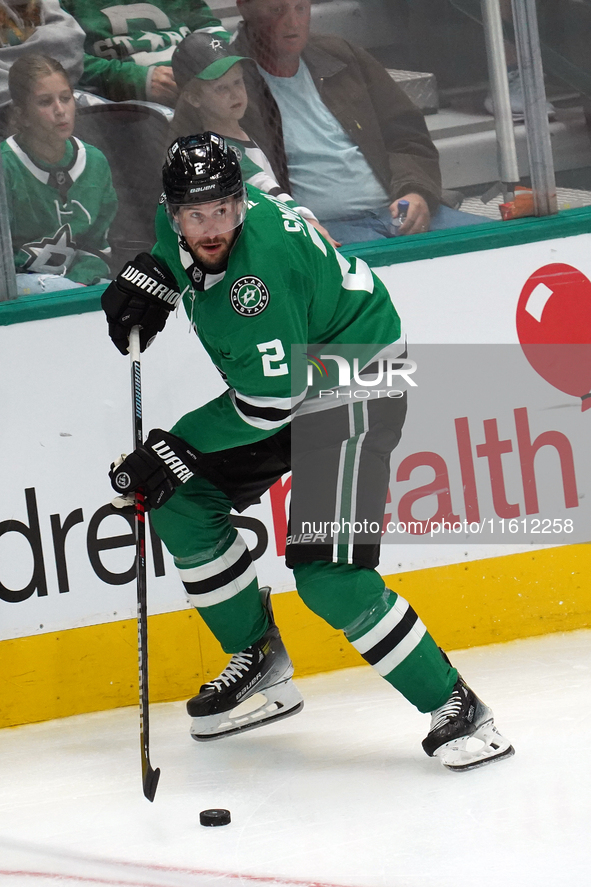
{"type": "Point", "coordinates": [342, 794]}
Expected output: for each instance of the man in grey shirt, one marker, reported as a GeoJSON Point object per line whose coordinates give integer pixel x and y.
{"type": "Point", "coordinates": [342, 136]}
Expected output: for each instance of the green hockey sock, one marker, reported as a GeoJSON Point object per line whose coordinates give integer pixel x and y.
{"type": "Point", "coordinates": [224, 589]}
{"type": "Point", "coordinates": [382, 626]}
{"type": "Point", "coordinates": [239, 622]}
{"type": "Point", "coordinates": [338, 593]}
{"type": "Point", "coordinates": [392, 638]}
{"type": "Point", "coordinates": [214, 563]}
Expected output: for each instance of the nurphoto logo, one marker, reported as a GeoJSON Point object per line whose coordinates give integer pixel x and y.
{"type": "Point", "coordinates": [374, 376]}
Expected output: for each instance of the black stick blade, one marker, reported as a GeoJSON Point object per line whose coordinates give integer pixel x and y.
{"type": "Point", "coordinates": [150, 778]}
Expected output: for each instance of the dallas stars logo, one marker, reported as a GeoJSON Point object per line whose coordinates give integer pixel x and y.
{"type": "Point", "coordinates": [52, 255]}
{"type": "Point", "coordinates": [249, 296]}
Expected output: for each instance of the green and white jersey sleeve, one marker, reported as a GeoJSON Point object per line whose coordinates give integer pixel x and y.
{"type": "Point", "coordinates": [125, 41]}
{"type": "Point", "coordinates": [258, 172]}
{"type": "Point", "coordinates": [284, 287]}
{"type": "Point", "coordinates": [60, 214]}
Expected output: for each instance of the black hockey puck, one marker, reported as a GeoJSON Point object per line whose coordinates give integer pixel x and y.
{"type": "Point", "coordinates": [214, 817]}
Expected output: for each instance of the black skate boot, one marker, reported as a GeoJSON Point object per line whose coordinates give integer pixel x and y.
{"type": "Point", "coordinates": [253, 689]}
{"type": "Point", "coordinates": [457, 725]}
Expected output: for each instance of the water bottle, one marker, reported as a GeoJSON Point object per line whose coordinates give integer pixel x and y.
{"type": "Point", "coordinates": [401, 217]}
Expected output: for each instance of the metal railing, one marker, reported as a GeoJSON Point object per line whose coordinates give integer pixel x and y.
{"type": "Point", "coordinates": [541, 164]}
{"type": "Point", "coordinates": [529, 56]}
{"type": "Point", "coordinates": [499, 89]}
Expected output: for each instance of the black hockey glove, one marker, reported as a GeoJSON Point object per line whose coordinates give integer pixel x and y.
{"type": "Point", "coordinates": [160, 465]}
{"type": "Point", "coordinates": [144, 293]}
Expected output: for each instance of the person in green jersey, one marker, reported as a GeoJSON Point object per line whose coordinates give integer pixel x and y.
{"type": "Point", "coordinates": [213, 97]}
{"type": "Point", "coordinates": [267, 295]}
{"type": "Point", "coordinates": [129, 45]}
{"type": "Point", "coordinates": [61, 199]}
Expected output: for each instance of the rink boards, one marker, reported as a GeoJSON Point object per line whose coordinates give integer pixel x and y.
{"type": "Point", "coordinates": [487, 452]}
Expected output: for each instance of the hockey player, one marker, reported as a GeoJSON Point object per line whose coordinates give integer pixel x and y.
{"type": "Point", "coordinates": [60, 194]}
{"type": "Point", "coordinates": [257, 280]}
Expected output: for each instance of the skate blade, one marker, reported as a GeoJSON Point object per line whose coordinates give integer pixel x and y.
{"type": "Point", "coordinates": [272, 704]}
{"type": "Point", "coordinates": [482, 747]}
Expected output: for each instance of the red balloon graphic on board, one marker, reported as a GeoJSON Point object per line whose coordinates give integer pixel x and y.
{"type": "Point", "coordinates": [554, 328]}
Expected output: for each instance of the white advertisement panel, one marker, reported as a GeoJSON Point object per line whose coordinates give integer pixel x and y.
{"type": "Point", "coordinates": [65, 561]}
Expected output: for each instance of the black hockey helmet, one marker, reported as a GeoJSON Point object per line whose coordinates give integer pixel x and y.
{"type": "Point", "coordinates": [200, 168]}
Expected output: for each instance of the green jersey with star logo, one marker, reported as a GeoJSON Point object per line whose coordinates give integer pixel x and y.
{"type": "Point", "coordinates": [125, 40]}
{"type": "Point", "coordinates": [284, 288]}
{"type": "Point", "coordinates": [60, 213]}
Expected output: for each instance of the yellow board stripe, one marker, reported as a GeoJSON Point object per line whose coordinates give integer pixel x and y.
{"type": "Point", "coordinates": [463, 605]}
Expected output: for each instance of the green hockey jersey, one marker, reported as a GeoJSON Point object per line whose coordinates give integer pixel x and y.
{"type": "Point", "coordinates": [60, 213]}
{"type": "Point", "coordinates": [124, 41]}
{"type": "Point", "coordinates": [285, 289]}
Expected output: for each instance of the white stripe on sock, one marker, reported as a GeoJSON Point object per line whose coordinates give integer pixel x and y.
{"type": "Point", "coordinates": [383, 627]}
{"type": "Point", "coordinates": [401, 650]}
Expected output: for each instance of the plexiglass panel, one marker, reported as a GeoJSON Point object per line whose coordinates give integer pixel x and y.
{"type": "Point", "coordinates": [373, 118]}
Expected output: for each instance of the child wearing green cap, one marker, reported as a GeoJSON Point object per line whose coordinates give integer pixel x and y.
{"type": "Point", "coordinates": [213, 98]}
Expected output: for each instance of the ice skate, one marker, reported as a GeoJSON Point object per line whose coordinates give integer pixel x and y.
{"type": "Point", "coordinates": [254, 689]}
{"type": "Point", "coordinates": [462, 733]}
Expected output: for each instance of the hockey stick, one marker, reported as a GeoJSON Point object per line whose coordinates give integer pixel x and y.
{"type": "Point", "coordinates": [150, 777]}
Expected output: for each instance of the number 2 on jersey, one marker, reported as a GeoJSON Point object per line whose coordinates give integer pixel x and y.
{"type": "Point", "coordinates": [273, 353]}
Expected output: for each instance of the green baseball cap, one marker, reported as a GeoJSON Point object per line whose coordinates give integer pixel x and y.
{"type": "Point", "coordinates": [204, 56]}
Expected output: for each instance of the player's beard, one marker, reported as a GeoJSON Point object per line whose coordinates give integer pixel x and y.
{"type": "Point", "coordinates": [214, 264]}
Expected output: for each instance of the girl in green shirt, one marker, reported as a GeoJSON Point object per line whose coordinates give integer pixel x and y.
{"type": "Point", "coordinates": [60, 194]}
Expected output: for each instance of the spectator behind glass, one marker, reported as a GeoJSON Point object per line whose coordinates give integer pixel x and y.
{"type": "Point", "coordinates": [39, 26]}
{"type": "Point", "coordinates": [342, 136]}
{"type": "Point", "coordinates": [129, 45]}
{"type": "Point", "coordinates": [60, 195]}
{"type": "Point", "coordinates": [213, 98]}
